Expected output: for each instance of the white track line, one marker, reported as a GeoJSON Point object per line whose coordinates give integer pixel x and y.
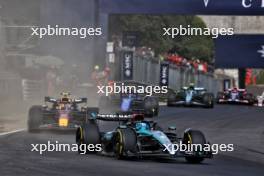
{"type": "Point", "coordinates": [11, 132]}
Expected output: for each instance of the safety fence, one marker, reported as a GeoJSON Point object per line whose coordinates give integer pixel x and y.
{"type": "Point", "coordinates": [32, 89]}
{"type": "Point", "coordinates": [10, 86]}
{"type": "Point", "coordinates": [148, 71]}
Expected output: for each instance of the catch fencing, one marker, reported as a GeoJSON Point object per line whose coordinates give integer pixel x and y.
{"type": "Point", "coordinates": [10, 86]}
{"type": "Point", "coordinates": [32, 89]}
{"type": "Point", "coordinates": [147, 70]}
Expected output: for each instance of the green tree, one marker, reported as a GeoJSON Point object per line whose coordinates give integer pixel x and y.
{"type": "Point", "coordinates": [260, 77]}
{"type": "Point", "coordinates": [151, 32]}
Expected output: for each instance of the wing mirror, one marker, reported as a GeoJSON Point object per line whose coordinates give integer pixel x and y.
{"type": "Point", "coordinates": [93, 115]}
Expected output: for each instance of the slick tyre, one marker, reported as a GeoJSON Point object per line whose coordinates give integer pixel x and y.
{"type": "Point", "coordinates": [35, 118]}
{"type": "Point", "coordinates": [88, 134]}
{"type": "Point", "coordinates": [194, 137]}
{"type": "Point", "coordinates": [208, 100]}
{"type": "Point", "coordinates": [219, 96]}
{"type": "Point", "coordinates": [125, 141]}
{"type": "Point", "coordinates": [151, 107]}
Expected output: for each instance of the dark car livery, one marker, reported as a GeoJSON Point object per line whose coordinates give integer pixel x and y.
{"type": "Point", "coordinates": [62, 113]}
{"type": "Point", "coordinates": [136, 137]}
{"type": "Point", "coordinates": [191, 96]}
{"type": "Point", "coordinates": [130, 102]}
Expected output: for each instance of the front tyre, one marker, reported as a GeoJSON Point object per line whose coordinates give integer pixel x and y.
{"type": "Point", "coordinates": [88, 134]}
{"type": "Point", "coordinates": [125, 141]}
{"type": "Point", "coordinates": [35, 118]}
{"type": "Point", "coordinates": [195, 137]}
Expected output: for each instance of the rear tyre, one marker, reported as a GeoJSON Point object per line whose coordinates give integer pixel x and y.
{"type": "Point", "coordinates": [88, 134]}
{"type": "Point", "coordinates": [35, 118]}
{"type": "Point", "coordinates": [125, 141]}
{"type": "Point", "coordinates": [194, 137]}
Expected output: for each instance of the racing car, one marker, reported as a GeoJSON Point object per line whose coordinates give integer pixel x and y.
{"type": "Point", "coordinates": [260, 100]}
{"type": "Point", "coordinates": [129, 102]}
{"type": "Point", "coordinates": [191, 96]}
{"type": "Point", "coordinates": [62, 113]}
{"type": "Point", "coordinates": [235, 96]}
{"type": "Point", "coordinates": [136, 137]}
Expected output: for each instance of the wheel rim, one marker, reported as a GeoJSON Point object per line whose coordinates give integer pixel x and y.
{"type": "Point", "coordinates": [79, 140]}
{"type": "Point", "coordinates": [119, 145]}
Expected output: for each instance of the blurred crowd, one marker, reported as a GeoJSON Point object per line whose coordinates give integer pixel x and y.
{"type": "Point", "coordinates": [196, 64]}
{"type": "Point", "coordinates": [177, 60]}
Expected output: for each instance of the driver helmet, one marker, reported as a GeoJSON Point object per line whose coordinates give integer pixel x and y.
{"type": "Point", "coordinates": [65, 96]}
{"type": "Point", "coordinates": [191, 86]}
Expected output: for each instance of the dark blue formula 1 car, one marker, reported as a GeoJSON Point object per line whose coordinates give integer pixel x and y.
{"type": "Point", "coordinates": [135, 137]}
{"type": "Point", "coordinates": [130, 102]}
{"type": "Point", "coordinates": [64, 113]}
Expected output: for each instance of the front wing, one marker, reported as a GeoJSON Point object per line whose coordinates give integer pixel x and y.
{"type": "Point", "coordinates": [234, 101]}
{"type": "Point", "coordinates": [184, 103]}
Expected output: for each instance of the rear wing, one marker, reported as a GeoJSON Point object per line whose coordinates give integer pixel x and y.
{"type": "Point", "coordinates": [195, 88]}
{"type": "Point", "coordinates": [199, 89]}
{"type": "Point", "coordinates": [239, 90]}
{"type": "Point", "coordinates": [76, 101]}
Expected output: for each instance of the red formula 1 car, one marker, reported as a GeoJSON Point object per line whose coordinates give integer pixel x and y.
{"type": "Point", "coordinates": [235, 96]}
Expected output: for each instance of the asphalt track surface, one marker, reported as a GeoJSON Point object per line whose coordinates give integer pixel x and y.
{"type": "Point", "coordinates": [16, 159]}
